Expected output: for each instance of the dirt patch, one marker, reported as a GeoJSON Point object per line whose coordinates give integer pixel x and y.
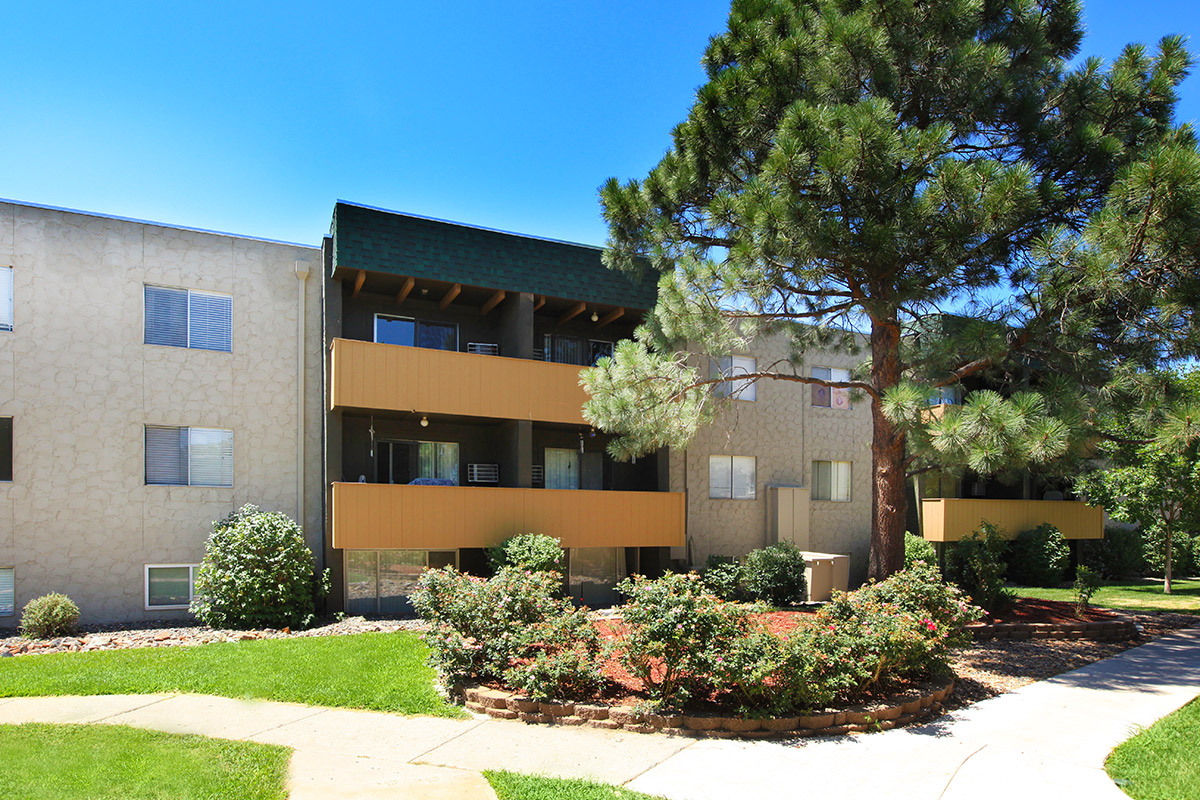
{"type": "Point", "coordinates": [1027, 610]}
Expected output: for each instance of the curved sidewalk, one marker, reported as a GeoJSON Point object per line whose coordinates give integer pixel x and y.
{"type": "Point", "coordinates": [1048, 739]}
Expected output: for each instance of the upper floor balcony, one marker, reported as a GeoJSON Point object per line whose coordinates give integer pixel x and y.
{"type": "Point", "coordinates": [371, 376]}
{"type": "Point", "coordinates": [952, 519]}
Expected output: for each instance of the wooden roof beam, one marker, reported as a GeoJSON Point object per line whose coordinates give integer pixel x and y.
{"type": "Point", "coordinates": [492, 302]}
{"type": "Point", "coordinates": [359, 280]}
{"type": "Point", "coordinates": [611, 316]}
{"type": "Point", "coordinates": [402, 295]}
{"type": "Point", "coordinates": [539, 300]}
{"type": "Point", "coordinates": [451, 293]}
{"type": "Point", "coordinates": [574, 312]}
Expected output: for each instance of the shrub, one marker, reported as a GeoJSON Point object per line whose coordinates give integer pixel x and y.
{"type": "Point", "coordinates": [723, 577]}
{"type": "Point", "coordinates": [49, 616]}
{"type": "Point", "coordinates": [257, 572]}
{"type": "Point", "coordinates": [977, 565]}
{"type": "Point", "coordinates": [1118, 555]}
{"type": "Point", "coordinates": [1087, 583]}
{"type": "Point", "coordinates": [569, 673]}
{"type": "Point", "coordinates": [921, 593]}
{"type": "Point", "coordinates": [1038, 557]}
{"type": "Point", "coordinates": [775, 574]}
{"type": "Point", "coordinates": [674, 633]}
{"type": "Point", "coordinates": [531, 551]}
{"type": "Point", "coordinates": [481, 629]}
{"type": "Point", "coordinates": [917, 549]}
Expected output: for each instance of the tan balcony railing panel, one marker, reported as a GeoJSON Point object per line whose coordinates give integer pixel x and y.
{"type": "Point", "coordinates": [378, 516]}
{"type": "Point", "coordinates": [389, 377]}
{"type": "Point", "coordinates": [950, 519]}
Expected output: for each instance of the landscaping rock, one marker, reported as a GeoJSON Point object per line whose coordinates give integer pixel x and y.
{"type": "Point", "coordinates": [523, 705]}
{"type": "Point", "coordinates": [591, 712]}
{"type": "Point", "coordinates": [665, 720]}
{"type": "Point", "coordinates": [780, 724]}
{"type": "Point", "coordinates": [557, 709]}
{"type": "Point", "coordinates": [816, 722]}
{"type": "Point", "coordinates": [740, 724]}
{"type": "Point", "coordinates": [606, 724]}
{"type": "Point", "coordinates": [704, 723]}
{"type": "Point", "coordinates": [623, 715]}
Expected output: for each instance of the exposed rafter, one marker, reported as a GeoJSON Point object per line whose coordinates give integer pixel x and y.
{"type": "Point", "coordinates": [491, 303]}
{"type": "Point", "coordinates": [611, 316]}
{"type": "Point", "coordinates": [451, 293]}
{"type": "Point", "coordinates": [402, 295]}
{"type": "Point", "coordinates": [574, 312]}
{"type": "Point", "coordinates": [538, 301]}
{"type": "Point", "coordinates": [359, 280]}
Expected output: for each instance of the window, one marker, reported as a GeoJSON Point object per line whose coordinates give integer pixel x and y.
{"type": "Point", "coordinates": [6, 298]}
{"type": "Point", "coordinates": [831, 481]}
{"type": "Point", "coordinates": [405, 462]}
{"type": "Point", "coordinates": [189, 318]}
{"type": "Point", "coordinates": [380, 581]}
{"type": "Point", "coordinates": [731, 477]}
{"type": "Point", "coordinates": [415, 333]}
{"type": "Point", "coordinates": [170, 585]}
{"type": "Point", "coordinates": [945, 395]}
{"type": "Point", "coordinates": [744, 389]}
{"type": "Point", "coordinates": [6, 449]}
{"type": "Point", "coordinates": [824, 396]}
{"type": "Point", "coordinates": [8, 592]}
{"type": "Point", "coordinates": [188, 456]}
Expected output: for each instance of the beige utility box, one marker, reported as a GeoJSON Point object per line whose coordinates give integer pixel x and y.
{"type": "Point", "coordinates": [787, 515]}
{"type": "Point", "coordinates": [825, 572]}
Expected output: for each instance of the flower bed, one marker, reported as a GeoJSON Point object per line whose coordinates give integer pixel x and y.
{"type": "Point", "coordinates": [680, 653]}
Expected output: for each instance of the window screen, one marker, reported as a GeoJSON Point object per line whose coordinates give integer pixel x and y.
{"type": "Point", "coordinates": [188, 318]}
{"type": "Point", "coordinates": [170, 585]}
{"type": "Point", "coordinates": [188, 456]}
{"type": "Point", "coordinates": [6, 298]}
{"type": "Point", "coordinates": [6, 449]}
{"type": "Point", "coordinates": [831, 481]}
{"type": "Point", "coordinates": [8, 593]}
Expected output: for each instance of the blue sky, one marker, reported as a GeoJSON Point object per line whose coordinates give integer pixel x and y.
{"type": "Point", "coordinates": [254, 117]}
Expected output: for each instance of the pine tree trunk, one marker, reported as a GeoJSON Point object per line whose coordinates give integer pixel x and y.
{"type": "Point", "coordinates": [889, 504]}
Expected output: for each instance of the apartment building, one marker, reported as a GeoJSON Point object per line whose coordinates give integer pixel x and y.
{"type": "Point", "coordinates": [152, 379]}
{"type": "Point", "coordinates": [454, 408]}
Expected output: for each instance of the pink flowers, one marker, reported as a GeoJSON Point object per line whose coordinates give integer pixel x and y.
{"type": "Point", "coordinates": [929, 624]}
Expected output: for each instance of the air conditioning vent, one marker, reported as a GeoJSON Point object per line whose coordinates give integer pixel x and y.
{"type": "Point", "coordinates": [483, 473]}
{"type": "Point", "coordinates": [484, 348]}
{"type": "Point", "coordinates": [539, 354]}
{"type": "Point", "coordinates": [538, 474]}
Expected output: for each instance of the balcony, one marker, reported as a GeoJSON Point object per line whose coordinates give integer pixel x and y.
{"type": "Point", "coordinates": [379, 516]}
{"type": "Point", "coordinates": [948, 520]}
{"type": "Point", "coordinates": [369, 376]}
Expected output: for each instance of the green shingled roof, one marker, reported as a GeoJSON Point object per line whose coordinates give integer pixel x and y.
{"type": "Point", "coordinates": [385, 241]}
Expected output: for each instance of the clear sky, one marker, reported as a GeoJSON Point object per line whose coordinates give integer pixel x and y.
{"type": "Point", "coordinates": [254, 117]}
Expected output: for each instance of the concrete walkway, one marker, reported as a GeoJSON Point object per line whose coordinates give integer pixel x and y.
{"type": "Point", "coordinates": [1048, 739]}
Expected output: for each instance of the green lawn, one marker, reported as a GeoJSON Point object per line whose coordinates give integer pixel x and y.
{"type": "Point", "coordinates": [1160, 763]}
{"type": "Point", "coordinates": [514, 786]}
{"type": "Point", "coordinates": [109, 762]}
{"type": "Point", "coordinates": [1131, 596]}
{"type": "Point", "coordinates": [379, 671]}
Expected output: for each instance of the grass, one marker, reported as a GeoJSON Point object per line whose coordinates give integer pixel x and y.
{"type": "Point", "coordinates": [514, 786]}
{"type": "Point", "coordinates": [1160, 762]}
{"type": "Point", "coordinates": [1132, 595]}
{"type": "Point", "coordinates": [103, 762]}
{"type": "Point", "coordinates": [378, 671]}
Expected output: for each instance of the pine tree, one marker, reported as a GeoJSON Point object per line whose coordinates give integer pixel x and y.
{"type": "Point", "coordinates": [852, 170]}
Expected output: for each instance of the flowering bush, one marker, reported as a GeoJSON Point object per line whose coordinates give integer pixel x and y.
{"type": "Point", "coordinates": [483, 629]}
{"type": "Point", "coordinates": [568, 673]}
{"type": "Point", "coordinates": [676, 635]}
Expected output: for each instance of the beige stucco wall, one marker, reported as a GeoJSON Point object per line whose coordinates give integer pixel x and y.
{"type": "Point", "coordinates": [785, 434]}
{"type": "Point", "coordinates": [80, 385]}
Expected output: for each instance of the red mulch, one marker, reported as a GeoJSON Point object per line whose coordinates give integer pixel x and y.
{"type": "Point", "coordinates": [1027, 610]}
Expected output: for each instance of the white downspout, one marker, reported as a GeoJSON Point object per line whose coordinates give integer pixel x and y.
{"type": "Point", "coordinates": [302, 277]}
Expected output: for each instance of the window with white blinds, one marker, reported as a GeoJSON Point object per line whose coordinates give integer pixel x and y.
{"type": "Point", "coordinates": [189, 318]}
{"type": "Point", "coordinates": [6, 298]}
{"type": "Point", "coordinates": [8, 592]}
{"type": "Point", "coordinates": [188, 456]}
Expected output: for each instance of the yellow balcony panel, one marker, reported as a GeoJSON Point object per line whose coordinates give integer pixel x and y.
{"type": "Point", "coordinates": [377, 516]}
{"type": "Point", "coordinates": [951, 519]}
{"type": "Point", "coordinates": [366, 375]}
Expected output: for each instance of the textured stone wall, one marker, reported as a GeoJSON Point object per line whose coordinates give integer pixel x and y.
{"type": "Point", "coordinates": [785, 434]}
{"type": "Point", "coordinates": [80, 385]}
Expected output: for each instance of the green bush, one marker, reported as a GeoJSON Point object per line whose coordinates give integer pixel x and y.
{"type": "Point", "coordinates": [49, 616]}
{"type": "Point", "coordinates": [1087, 583]}
{"type": "Point", "coordinates": [1038, 557]}
{"type": "Point", "coordinates": [917, 549]}
{"type": "Point", "coordinates": [977, 564]}
{"type": "Point", "coordinates": [569, 673]}
{"type": "Point", "coordinates": [1118, 555]}
{"type": "Point", "coordinates": [723, 577]}
{"type": "Point", "coordinates": [257, 572]}
{"type": "Point", "coordinates": [531, 551]}
{"type": "Point", "coordinates": [481, 629]}
{"type": "Point", "coordinates": [675, 635]}
{"type": "Point", "coordinates": [921, 593]}
{"type": "Point", "coordinates": [775, 574]}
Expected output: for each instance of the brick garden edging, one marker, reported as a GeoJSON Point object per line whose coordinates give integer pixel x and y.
{"type": "Point", "coordinates": [898, 711]}
{"type": "Point", "coordinates": [1109, 630]}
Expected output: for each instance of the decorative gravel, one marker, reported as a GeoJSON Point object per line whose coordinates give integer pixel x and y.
{"type": "Point", "coordinates": [121, 637]}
